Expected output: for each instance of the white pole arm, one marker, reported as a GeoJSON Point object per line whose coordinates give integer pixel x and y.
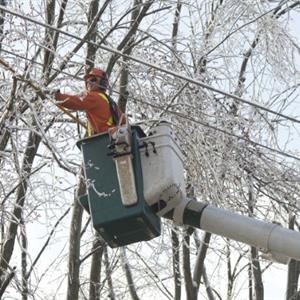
{"type": "Point", "coordinates": [279, 242]}
{"type": "Point", "coordinates": [268, 237]}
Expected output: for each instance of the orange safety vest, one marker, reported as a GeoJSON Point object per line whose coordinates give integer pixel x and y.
{"type": "Point", "coordinates": [97, 108]}
{"type": "Point", "coordinates": [109, 121]}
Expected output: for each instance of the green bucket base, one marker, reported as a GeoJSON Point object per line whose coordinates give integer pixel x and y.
{"type": "Point", "coordinates": [119, 225]}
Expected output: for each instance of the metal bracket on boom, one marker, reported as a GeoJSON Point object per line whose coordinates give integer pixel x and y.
{"type": "Point", "coordinates": [121, 151]}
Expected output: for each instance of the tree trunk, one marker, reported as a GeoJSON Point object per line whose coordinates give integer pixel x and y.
{"type": "Point", "coordinates": [49, 37]}
{"type": "Point", "coordinates": [5, 283]}
{"type": "Point", "coordinates": [95, 272]}
{"type": "Point", "coordinates": [230, 278]}
{"type": "Point", "coordinates": [190, 287]}
{"type": "Point", "coordinates": [122, 101]}
{"type": "Point", "coordinates": [2, 18]}
{"type": "Point", "coordinates": [91, 48]}
{"type": "Point", "coordinates": [130, 281]}
{"type": "Point", "coordinates": [7, 117]}
{"type": "Point", "coordinates": [292, 292]}
{"type": "Point", "coordinates": [257, 275]}
{"type": "Point", "coordinates": [258, 287]}
{"type": "Point", "coordinates": [24, 261]}
{"type": "Point", "coordinates": [209, 291]}
{"type": "Point", "coordinates": [176, 264]}
{"type": "Point", "coordinates": [199, 266]}
{"type": "Point", "coordinates": [176, 25]}
{"type": "Point", "coordinates": [108, 272]}
{"type": "Point", "coordinates": [74, 244]}
{"type": "Point", "coordinates": [250, 282]}
{"type": "Point", "coordinates": [8, 247]}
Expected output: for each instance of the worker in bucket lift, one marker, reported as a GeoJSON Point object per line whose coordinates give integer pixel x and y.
{"type": "Point", "coordinates": [94, 102]}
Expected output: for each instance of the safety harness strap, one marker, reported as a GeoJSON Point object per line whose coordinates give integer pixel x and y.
{"type": "Point", "coordinates": [109, 122]}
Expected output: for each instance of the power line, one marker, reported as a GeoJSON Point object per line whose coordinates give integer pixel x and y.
{"type": "Point", "coordinates": [205, 124]}
{"type": "Point", "coordinates": [37, 63]}
{"type": "Point", "coordinates": [154, 66]}
{"type": "Point", "coordinates": [180, 115]}
{"type": "Point", "coordinates": [174, 74]}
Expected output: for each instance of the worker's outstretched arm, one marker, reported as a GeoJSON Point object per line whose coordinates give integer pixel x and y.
{"type": "Point", "coordinates": [73, 102]}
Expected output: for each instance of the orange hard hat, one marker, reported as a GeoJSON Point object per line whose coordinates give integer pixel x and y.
{"type": "Point", "coordinates": [99, 73]}
{"type": "Point", "coordinates": [95, 72]}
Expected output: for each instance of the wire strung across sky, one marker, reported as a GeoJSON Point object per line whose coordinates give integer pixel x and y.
{"type": "Point", "coordinates": [154, 66]}
{"type": "Point", "coordinates": [187, 79]}
{"type": "Point", "coordinates": [205, 124]}
{"type": "Point", "coordinates": [36, 62]}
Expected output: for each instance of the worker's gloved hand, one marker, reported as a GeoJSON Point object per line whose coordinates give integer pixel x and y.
{"type": "Point", "coordinates": [54, 92]}
{"type": "Point", "coordinates": [50, 92]}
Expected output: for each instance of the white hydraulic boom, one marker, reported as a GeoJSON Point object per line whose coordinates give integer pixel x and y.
{"type": "Point", "coordinates": [278, 242]}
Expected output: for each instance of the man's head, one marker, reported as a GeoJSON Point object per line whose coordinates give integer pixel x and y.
{"type": "Point", "coordinates": [96, 80]}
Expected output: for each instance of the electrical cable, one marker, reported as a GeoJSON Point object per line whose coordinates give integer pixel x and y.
{"type": "Point", "coordinates": [154, 66]}
{"type": "Point", "coordinates": [188, 79]}
{"type": "Point", "coordinates": [185, 117]}
{"type": "Point", "coordinates": [37, 63]}
{"type": "Point", "coordinates": [205, 124]}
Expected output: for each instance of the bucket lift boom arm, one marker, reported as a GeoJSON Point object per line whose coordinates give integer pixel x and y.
{"type": "Point", "coordinates": [279, 243]}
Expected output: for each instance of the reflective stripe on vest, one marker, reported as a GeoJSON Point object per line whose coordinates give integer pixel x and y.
{"type": "Point", "coordinates": [109, 122]}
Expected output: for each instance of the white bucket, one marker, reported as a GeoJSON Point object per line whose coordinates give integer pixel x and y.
{"type": "Point", "coordinates": [162, 167]}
